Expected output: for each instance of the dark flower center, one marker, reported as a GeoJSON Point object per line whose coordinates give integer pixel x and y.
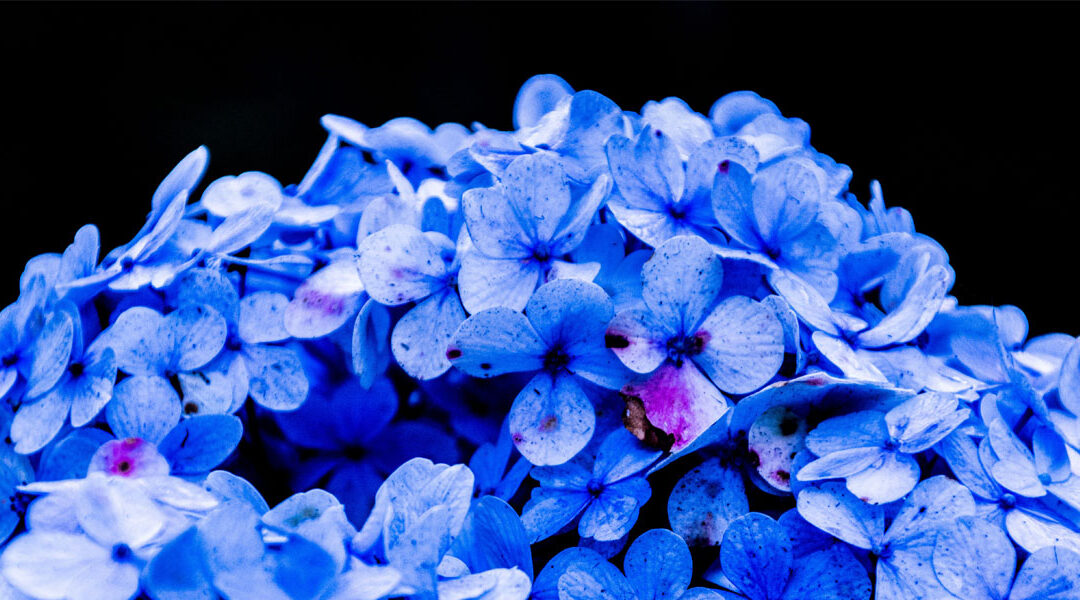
{"type": "Point", "coordinates": [122, 553]}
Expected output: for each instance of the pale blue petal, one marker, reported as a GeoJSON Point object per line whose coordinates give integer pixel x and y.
{"type": "Point", "coordinates": [705, 501]}
{"type": "Point", "coordinates": [830, 574]}
{"type": "Point", "coordinates": [862, 429]}
{"type": "Point", "coordinates": [601, 582]}
{"type": "Point", "coordinates": [842, 463]}
{"type": "Point", "coordinates": [744, 345]}
{"type": "Point", "coordinates": [183, 178]}
{"type": "Point", "coordinates": [648, 171]}
{"type": "Point", "coordinates": [913, 315]}
{"type": "Point", "coordinates": [549, 510]}
{"type": "Point", "coordinates": [325, 301]}
{"type": "Point", "coordinates": [1015, 468]}
{"type": "Point", "coordinates": [144, 407]}
{"type": "Point", "coordinates": [570, 314]}
{"type": "Point", "coordinates": [229, 195]}
{"type": "Point", "coordinates": [36, 423]}
{"type": "Point", "coordinates": [974, 559]}
{"type": "Point", "coordinates": [681, 281]}
{"type": "Point", "coordinates": [621, 455]}
{"type": "Point", "coordinates": [1069, 380]}
{"type": "Point", "coordinates": [546, 586]}
{"type": "Point", "coordinates": [658, 565]}
{"type": "Point", "coordinates": [933, 503]}
{"type": "Point", "coordinates": [960, 452]}
{"type": "Point", "coordinates": [262, 317]}
{"type": "Point", "coordinates": [924, 420]}
{"type": "Point", "coordinates": [1048, 574]}
{"type": "Point", "coordinates": [833, 509]}
{"type": "Point", "coordinates": [369, 340]}
{"type": "Point", "coordinates": [496, 341]}
{"type": "Point", "coordinates": [575, 224]}
{"type": "Point", "coordinates": [756, 556]}
{"type": "Point", "coordinates": [421, 337]}
{"type": "Point", "coordinates": [277, 376]}
{"type": "Point", "coordinates": [551, 420]}
{"type": "Point", "coordinates": [401, 264]}
{"type": "Point", "coordinates": [199, 334]}
{"type": "Point", "coordinates": [539, 95]}
{"type": "Point", "coordinates": [50, 354]}
{"type": "Point", "coordinates": [239, 230]}
{"type": "Point", "coordinates": [1051, 455]}
{"type": "Point", "coordinates": [1033, 531]}
{"type": "Point", "coordinates": [490, 282]}
{"type": "Point", "coordinates": [639, 339]}
{"type": "Point", "coordinates": [888, 479]}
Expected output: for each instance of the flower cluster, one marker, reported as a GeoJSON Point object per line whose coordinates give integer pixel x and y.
{"type": "Point", "coordinates": [452, 352]}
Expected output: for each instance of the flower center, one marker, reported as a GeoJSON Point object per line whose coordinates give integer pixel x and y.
{"type": "Point", "coordinates": [122, 553]}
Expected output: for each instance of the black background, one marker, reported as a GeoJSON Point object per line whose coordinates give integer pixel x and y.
{"type": "Point", "coordinates": [962, 111]}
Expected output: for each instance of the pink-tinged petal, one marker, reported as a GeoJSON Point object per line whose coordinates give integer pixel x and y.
{"type": "Point", "coordinates": [775, 438]}
{"type": "Point", "coordinates": [551, 420]}
{"type": "Point", "coordinates": [677, 400]}
{"type": "Point", "coordinates": [401, 264]}
{"type": "Point", "coordinates": [131, 457]}
{"type": "Point", "coordinates": [639, 340]}
{"type": "Point", "coordinates": [325, 302]}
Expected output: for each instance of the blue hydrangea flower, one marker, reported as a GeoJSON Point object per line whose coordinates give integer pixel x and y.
{"type": "Point", "coordinates": [658, 196]}
{"type": "Point", "coordinates": [251, 363]}
{"type": "Point", "coordinates": [657, 565]}
{"type": "Point", "coordinates": [1032, 523]}
{"type": "Point", "coordinates": [873, 450]}
{"type": "Point", "coordinates": [758, 561]}
{"type": "Point", "coordinates": [905, 550]}
{"type": "Point", "coordinates": [784, 214]}
{"type": "Point", "coordinates": [561, 335]}
{"type": "Point", "coordinates": [356, 443]}
{"type": "Point", "coordinates": [153, 348]}
{"type": "Point", "coordinates": [607, 498]}
{"type": "Point", "coordinates": [974, 559]}
{"type": "Point", "coordinates": [401, 264]}
{"type": "Point", "coordinates": [737, 343]}
{"type": "Point", "coordinates": [521, 229]}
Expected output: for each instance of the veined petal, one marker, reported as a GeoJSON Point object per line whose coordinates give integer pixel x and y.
{"type": "Point", "coordinates": [490, 282]}
{"type": "Point", "coordinates": [681, 281]}
{"type": "Point", "coordinates": [421, 337]}
{"type": "Point", "coordinates": [144, 407]}
{"type": "Point", "coordinates": [551, 420]}
{"type": "Point", "coordinates": [496, 341]}
{"type": "Point", "coordinates": [705, 501]}
{"type": "Point", "coordinates": [401, 264]}
{"type": "Point", "coordinates": [744, 345]}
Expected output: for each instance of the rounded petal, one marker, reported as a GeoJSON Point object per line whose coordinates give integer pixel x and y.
{"type": "Point", "coordinates": [325, 301]}
{"type": "Point", "coordinates": [705, 501]}
{"type": "Point", "coordinates": [744, 345]}
{"type": "Point", "coordinates": [496, 341]}
{"type": "Point", "coordinates": [681, 281]}
{"type": "Point", "coordinates": [401, 264]}
{"type": "Point", "coordinates": [144, 407]}
{"type": "Point", "coordinates": [422, 335]}
{"type": "Point", "coordinates": [551, 420]}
